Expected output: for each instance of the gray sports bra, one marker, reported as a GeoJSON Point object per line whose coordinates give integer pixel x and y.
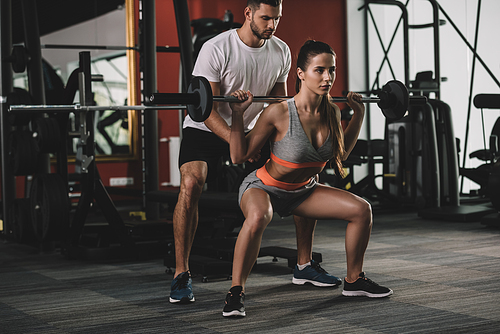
{"type": "Point", "coordinates": [295, 149]}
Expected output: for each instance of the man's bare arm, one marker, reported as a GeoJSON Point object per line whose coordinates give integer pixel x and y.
{"type": "Point", "coordinates": [215, 122]}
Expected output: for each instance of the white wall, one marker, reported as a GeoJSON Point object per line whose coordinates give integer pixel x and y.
{"type": "Point", "coordinates": [455, 59]}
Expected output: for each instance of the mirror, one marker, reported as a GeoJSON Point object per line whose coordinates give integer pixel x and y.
{"type": "Point", "coordinates": [114, 130]}
{"type": "Point", "coordinates": [116, 133]}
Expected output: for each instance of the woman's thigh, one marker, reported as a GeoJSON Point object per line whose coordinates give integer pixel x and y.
{"type": "Point", "coordinates": [331, 203]}
{"type": "Point", "coordinates": [256, 204]}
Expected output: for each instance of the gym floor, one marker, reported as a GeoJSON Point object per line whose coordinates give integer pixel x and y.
{"type": "Point", "coordinates": [444, 276]}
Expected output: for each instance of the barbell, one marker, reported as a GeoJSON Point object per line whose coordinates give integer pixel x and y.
{"type": "Point", "coordinates": [393, 99]}
{"type": "Point", "coordinates": [197, 101]}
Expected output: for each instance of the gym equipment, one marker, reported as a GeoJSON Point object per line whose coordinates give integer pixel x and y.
{"type": "Point", "coordinates": [393, 99]}
{"type": "Point", "coordinates": [22, 97]}
{"type": "Point", "coordinates": [19, 58]}
{"type": "Point", "coordinates": [413, 159]}
{"type": "Point", "coordinates": [487, 101]}
{"type": "Point", "coordinates": [449, 204]}
{"type": "Point", "coordinates": [493, 219]}
{"type": "Point", "coordinates": [207, 28]}
{"type": "Point", "coordinates": [375, 152]}
{"type": "Point", "coordinates": [489, 156]}
{"type": "Point", "coordinates": [22, 227]}
{"type": "Point", "coordinates": [197, 101]}
{"type": "Point", "coordinates": [23, 152]}
{"type": "Point", "coordinates": [494, 183]}
{"type": "Point", "coordinates": [50, 207]}
{"type": "Point", "coordinates": [47, 134]}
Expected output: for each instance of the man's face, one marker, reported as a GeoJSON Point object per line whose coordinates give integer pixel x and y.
{"type": "Point", "coordinates": [265, 21]}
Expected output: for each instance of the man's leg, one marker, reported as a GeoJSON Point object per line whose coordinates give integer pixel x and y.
{"type": "Point", "coordinates": [193, 176]}
{"type": "Point", "coordinates": [304, 230]}
{"type": "Point", "coordinates": [307, 270]}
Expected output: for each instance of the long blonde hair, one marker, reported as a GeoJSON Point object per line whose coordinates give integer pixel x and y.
{"type": "Point", "coordinates": [329, 112]}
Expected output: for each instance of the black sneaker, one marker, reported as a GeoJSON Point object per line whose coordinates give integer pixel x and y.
{"type": "Point", "coordinates": [234, 303]}
{"type": "Point", "coordinates": [365, 287]}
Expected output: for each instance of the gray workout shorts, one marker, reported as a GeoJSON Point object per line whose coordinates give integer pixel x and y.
{"type": "Point", "coordinates": [283, 201]}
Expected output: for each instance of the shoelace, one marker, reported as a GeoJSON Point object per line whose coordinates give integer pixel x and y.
{"type": "Point", "coordinates": [369, 280]}
{"type": "Point", "coordinates": [181, 282]}
{"type": "Point", "coordinates": [318, 268]}
{"type": "Point", "coordinates": [231, 297]}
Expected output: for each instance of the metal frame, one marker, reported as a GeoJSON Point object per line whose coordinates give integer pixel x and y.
{"type": "Point", "coordinates": [406, 26]}
{"type": "Point", "coordinates": [8, 181]}
{"type": "Point", "coordinates": [150, 157]}
{"type": "Point", "coordinates": [473, 71]}
{"type": "Point", "coordinates": [404, 19]}
{"type": "Point", "coordinates": [437, 10]}
{"type": "Point", "coordinates": [150, 119]}
{"type": "Point", "coordinates": [91, 183]}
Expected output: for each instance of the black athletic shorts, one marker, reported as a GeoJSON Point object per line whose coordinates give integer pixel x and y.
{"type": "Point", "coordinates": [199, 145]}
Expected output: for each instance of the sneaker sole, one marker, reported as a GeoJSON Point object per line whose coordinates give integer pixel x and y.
{"type": "Point", "coordinates": [234, 313]}
{"type": "Point", "coordinates": [184, 300]}
{"type": "Point", "coordinates": [302, 281]}
{"type": "Point", "coordinates": [361, 293]}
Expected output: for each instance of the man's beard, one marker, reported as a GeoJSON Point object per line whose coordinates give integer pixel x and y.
{"type": "Point", "coordinates": [261, 34]}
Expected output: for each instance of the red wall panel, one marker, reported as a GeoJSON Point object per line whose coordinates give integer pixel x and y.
{"type": "Point", "coordinates": [325, 21]}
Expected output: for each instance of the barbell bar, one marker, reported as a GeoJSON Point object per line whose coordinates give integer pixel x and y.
{"type": "Point", "coordinates": [197, 101]}
{"type": "Point", "coordinates": [77, 107]}
{"type": "Point", "coordinates": [393, 99]}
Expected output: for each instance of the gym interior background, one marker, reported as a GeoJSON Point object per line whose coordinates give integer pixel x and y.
{"type": "Point", "coordinates": [447, 50]}
{"type": "Point", "coordinates": [455, 62]}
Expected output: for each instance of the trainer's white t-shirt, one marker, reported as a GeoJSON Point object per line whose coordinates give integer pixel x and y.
{"type": "Point", "coordinates": [226, 59]}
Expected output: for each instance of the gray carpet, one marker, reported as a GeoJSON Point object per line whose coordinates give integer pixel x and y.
{"type": "Point", "coordinates": [444, 276]}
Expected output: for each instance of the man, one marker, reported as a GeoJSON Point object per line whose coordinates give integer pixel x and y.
{"type": "Point", "coordinates": [249, 58]}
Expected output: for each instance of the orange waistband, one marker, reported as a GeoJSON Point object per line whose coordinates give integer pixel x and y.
{"type": "Point", "coordinates": [297, 165]}
{"type": "Point", "coordinates": [268, 180]}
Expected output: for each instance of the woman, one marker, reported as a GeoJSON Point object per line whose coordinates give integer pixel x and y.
{"type": "Point", "coordinates": [304, 132]}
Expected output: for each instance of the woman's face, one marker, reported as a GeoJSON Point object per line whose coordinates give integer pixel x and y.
{"type": "Point", "coordinates": [320, 74]}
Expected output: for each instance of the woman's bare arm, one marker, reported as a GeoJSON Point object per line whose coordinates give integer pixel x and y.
{"type": "Point", "coordinates": [351, 133]}
{"type": "Point", "coordinates": [244, 147]}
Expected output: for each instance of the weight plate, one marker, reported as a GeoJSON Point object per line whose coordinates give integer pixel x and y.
{"type": "Point", "coordinates": [20, 58]}
{"type": "Point", "coordinates": [200, 109]}
{"type": "Point", "coordinates": [50, 206]}
{"type": "Point", "coordinates": [394, 100]}
{"type": "Point", "coordinates": [23, 152]}
{"type": "Point", "coordinates": [22, 229]}
{"type": "Point", "coordinates": [47, 135]}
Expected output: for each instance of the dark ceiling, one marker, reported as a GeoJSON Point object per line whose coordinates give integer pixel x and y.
{"type": "Point", "coordinates": [54, 15]}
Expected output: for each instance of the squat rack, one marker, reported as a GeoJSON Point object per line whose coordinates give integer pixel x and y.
{"type": "Point", "coordinates": [147, 50]}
